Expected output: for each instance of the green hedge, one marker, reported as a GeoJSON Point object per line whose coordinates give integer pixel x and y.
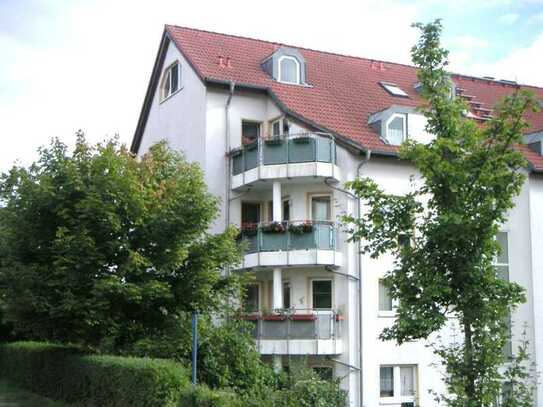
{"type": "Point", "coordinates": [65, 373]}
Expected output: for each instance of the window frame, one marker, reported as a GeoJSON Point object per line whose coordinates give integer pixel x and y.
{"type": "Point", "coordinates": [167, 75]}
{"type": "Point", "coordinates": [332, 299]}
{"type": "Point", "coordinates": [286, 284]}
{"type": "Point", "coordinates": [257, 284]}
{"type": "Point", "coordinates": [405, 135]}
{"type": "Point", "coordinates": [298, 69]}
{"type": "Point", "coordinates": [320, 195]}
{"type": "Point", "coordinates": [385, 313]}
{"type": "Point", "coordinates": [249, 121]}
{"type": "Point", "coordinates": [390, 88]}
{"type": "Point", "coordinates": [397, 397]}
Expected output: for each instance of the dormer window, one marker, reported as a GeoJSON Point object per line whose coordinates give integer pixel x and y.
{"type": "Point", "coordinates": [393, 89]}
{"type": "Point", "coordinates": [396, 129]}
{"type": "Point", "coordinates": [171, 80]}
{"type": "Point", "coordinates": [289, 69]}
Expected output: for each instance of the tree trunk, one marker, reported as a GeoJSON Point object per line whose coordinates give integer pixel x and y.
{"type": "Point", "coordinates": [470, 374]}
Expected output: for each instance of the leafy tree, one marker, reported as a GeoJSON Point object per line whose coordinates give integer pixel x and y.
{"type": "Point", "coordinates": [470, 175]}
{"type": "Point", "coordinates": [101, 248]}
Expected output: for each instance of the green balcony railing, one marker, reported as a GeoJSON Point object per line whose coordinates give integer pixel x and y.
{"type": "Point", "coordinates": [293, 235]}
{"type": "Point", "coordinates": [296, 324]}
{"type": "Point", "coordinates": [297, 148]}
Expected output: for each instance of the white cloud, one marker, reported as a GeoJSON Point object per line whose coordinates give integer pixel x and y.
{"type": "Point", "coordinates": [469, 42]}
{"type": "Point", "coordinates": [508, 19]}
{"type": "Point", "coordinates": [536, 18]}
{"type": "Point", "coordinates": [523, 65]}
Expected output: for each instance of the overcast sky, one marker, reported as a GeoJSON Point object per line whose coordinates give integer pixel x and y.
{"type": "Point", "coordinates": [85, 64]}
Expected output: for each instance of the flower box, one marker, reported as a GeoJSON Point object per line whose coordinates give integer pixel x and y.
{"type": "Point", "coordinates": [273, 227]}
{"type": "Point", "coordinates": [250, 317]}
{"type": "Point", "coordinates": [300, 228]}
{"type": "Point", "coordinates": [303, 317]}
{"type": "Point", "coordinates": [274, 317]}
{"type": "Point", "coordinates": [340, 318]}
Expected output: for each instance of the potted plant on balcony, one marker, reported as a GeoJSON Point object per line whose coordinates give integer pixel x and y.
{"type": "Point", "coordinates": [268, 315]}
{"type": "Point", "coordinates": [249, 229]}
{"type": "Point", "coordinates": [273, 227]}
{"type": "Point", "coordinates": [300, 228]}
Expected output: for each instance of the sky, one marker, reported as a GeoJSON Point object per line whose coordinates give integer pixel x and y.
{"type": "Point", "coordinates": [85, 64]}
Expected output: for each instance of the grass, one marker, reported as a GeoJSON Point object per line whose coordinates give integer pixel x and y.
{"type": "Point", "coordinates": [13, 396]}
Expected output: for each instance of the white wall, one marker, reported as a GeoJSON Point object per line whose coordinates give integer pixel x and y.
{"type": "Point", "coordinates": [179, 119]}
{"type": "Point", "coordinates": [536, 229]}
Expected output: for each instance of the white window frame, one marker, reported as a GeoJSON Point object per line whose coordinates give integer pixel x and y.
{"type": "Point", "coordinates": [397, 399]}
{"type": "Point", "coordinates": [332, 300]}
{"type": "Point", "coordinates": [384, 313]}
{"type": "Point", "coordinates": [298, 67]}
{"type": "Point", "coordinates": [394, 89]}
{"type": "Point", "coordinates": [320, 195]}
{"type": "Point", "coordinates": [163, 96]}
{"type": "Point", "coordinates": [402, 116]}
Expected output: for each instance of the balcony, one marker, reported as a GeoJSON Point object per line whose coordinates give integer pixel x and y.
{"type": "Point", "coordinates": [306, 155]}
{"type": "Point", "coordinates": [298, 332]}
{"type": "Point", "coordinates": [292, 243]}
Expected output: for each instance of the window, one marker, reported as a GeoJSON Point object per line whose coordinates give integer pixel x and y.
{"type": "Point", "coordinates": [387, 381]}
{"type": "Point", "coordinates": [279, 127]}
{"type": "Point", "coordinates": [502, 270]}
{"type": "Point", "coordinates": [385, 300]}
{"type": "Point", "coordinates": [393, 89]}
{"type": "Point", "coordinates": [396, 129]}
{"type": "Point", "coordinates": [250, 212]}
{"type": "Point", "coordinates": [322, 294]}
{"type": "Point", "coordinates": [286, 295]}
{"type": "Point", "coordinates": [171, 80]}
{"type": "Point", "coordinates": [250, 131]}
{"type": "Point", "coordinates": [321, 208]}
{"type": "Point", "coordinates": [251, 299]}
{"type": "Point", "coordinates": [289, 70]}
{"type": "Point", "coordinates": [399, 382]}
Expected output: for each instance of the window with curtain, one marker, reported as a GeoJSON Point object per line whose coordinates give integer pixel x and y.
{"type": "Point", "coordinates": [322, 294]}
{"type": "Point", "coordinates": [250, 131]}
{"type": "Point", "coordinates": [502, 270]}
{"type": "Point", "coordinates": [289, 70]}
{"type": "Point", "coordinates": [385, 300]}
{"type": "Point", "coordinates": [386, 381]}
{"type": "Point", "coordinates": [321, 208]}
{"type": "Point", "coordinates": [396, 130]}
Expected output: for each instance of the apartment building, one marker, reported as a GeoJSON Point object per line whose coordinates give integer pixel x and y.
{"type": "Point", "coordinates": [278, 130]}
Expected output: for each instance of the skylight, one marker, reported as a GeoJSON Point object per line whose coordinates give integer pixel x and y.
{"type": "Point", "coordinates": [393, 89]}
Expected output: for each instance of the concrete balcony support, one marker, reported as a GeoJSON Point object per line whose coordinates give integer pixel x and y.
{"type": "Point", "coordinates": [277, 203]}
{"type": "Point", "coordinates": [277, 288]}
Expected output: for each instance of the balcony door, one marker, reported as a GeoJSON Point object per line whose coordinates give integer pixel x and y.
{"type": "Point", "coordinates": [322, 303]}
{"type": "Point", "coordinates": [250, 212]}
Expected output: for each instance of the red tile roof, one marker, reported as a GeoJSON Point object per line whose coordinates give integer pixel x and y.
{"type": "Point", "coordinates": [343, 91]}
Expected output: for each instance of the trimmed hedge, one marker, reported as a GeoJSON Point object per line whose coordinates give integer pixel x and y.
{"type": "Point", "coordinates": [65, 373]}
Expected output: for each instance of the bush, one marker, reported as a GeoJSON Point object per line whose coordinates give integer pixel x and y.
{"type": "Point", "coordinates": [203, 396]}
{"type": "Point", "coordinates": [65, 373]}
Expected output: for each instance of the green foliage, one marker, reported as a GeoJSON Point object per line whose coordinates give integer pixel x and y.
{"type": "Point", "coordinates": [470, 175]}
{"type": "Point", "coordinates": [64, 373]}
{"type": "Point", "coordinates": [203, 396]}
{"type": "Point", "coordinates": [100, 248]}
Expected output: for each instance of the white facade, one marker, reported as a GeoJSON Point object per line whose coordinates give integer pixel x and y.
{"type": "Point", "coordinates": [194, 121]}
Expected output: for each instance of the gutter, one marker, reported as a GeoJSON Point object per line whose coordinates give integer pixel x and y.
{"type": "Point", "coordinates": [227, 155]}
{"type": "Point", "coordinates": [360, 319]}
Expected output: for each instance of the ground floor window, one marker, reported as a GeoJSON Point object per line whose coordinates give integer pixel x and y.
{"type": "Point", "coordinates": [398, 383]}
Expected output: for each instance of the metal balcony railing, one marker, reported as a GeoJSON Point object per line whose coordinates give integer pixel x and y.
{"type": "Point", "coordinates": [289, 235]}
{"type": "Point", "coordinates": [286, 149]}
{"type": "Point", "coordinates": [296, 324]}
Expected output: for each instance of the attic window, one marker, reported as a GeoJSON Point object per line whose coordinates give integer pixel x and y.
{"type": "Point", "coordinates": [171, 80]}
{"type": "Point", "coordinates": [289, 69]}
{"type": "Point", "coordinates": [393, 89]}
{"type": "Point", "coordinates": [396, 129]}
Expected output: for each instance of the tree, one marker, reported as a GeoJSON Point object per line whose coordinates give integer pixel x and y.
{"type": "Point", "coordinates": [443, 233]}
{"type": "Point", "coordinates": [101, 248]}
